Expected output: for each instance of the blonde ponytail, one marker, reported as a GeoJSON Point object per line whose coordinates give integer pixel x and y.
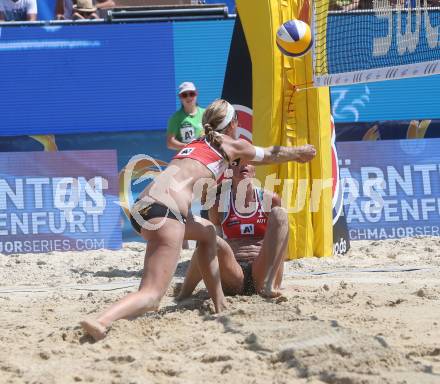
{"type": "Point", "coordinates": [214, 124]}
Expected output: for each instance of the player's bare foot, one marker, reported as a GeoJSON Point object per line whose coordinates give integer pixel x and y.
{"type": "Point", "coordinates": [269, 292]}
{"type": "Point", "coordinates": [94, 328]}
{"type": "Point", "coordinates": [182, 291]}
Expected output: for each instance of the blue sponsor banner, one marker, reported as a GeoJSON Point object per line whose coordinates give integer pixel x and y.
{"type": "Point", "coordinates": [415, 98]}
{"type": "Point", "coordinates": [86, 78]}
{"type": "Point", "coordinates": [118, 77]}
{"type": "Point", "coordinates": [360, 32]}
{"type": "Point", "coordinates": [106, 77]}
{"type": "Point", "coordinates": [203, 61]}
{"type": "Point", "coordinates": [59, 201]}
{"type": "Point", "coordinates": [405, 99]}
{"type": "Point", "coordinates": [126, 144]}
{"type": "Point", "coordinates": [393, 194]}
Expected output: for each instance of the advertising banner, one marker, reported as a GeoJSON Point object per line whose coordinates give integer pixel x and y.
{"type": "Point", "coordinates": [59, 201]}
{"type": "Point", "coordinates": [404, 99]}
{"type": "Point", "coordinates": [106, 77]}
{"type": "Point", "coordinates": [394, 193]}
{"type": "Point", "coordinates": [125, 144]}
{"type": "Point", "coordinates": [382, 38]}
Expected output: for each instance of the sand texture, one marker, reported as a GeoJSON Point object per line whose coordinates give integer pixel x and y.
{"type": "Point", "coordinates": [371, 316]}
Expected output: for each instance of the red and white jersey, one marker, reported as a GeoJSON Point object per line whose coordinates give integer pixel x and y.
{"type": "Point", "coordinates": [206, 154]}
{"type": "Point", "coordinates": [236, 225]}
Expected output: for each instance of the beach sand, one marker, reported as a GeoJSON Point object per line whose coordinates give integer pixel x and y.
{"type": "Point", "coordinates": [371, 316]}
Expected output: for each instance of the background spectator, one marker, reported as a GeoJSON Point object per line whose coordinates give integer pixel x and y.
{"type": "Point", "coordinates": [185, 125]}
{"type": "Point", "coordinates": [84, 9]}
{"type": "Point", "coordinates": [65, 9]}
{"type": "Point", "coordinates": [18, 10]}
{"type": "Point", "coordinates": [103, 5]}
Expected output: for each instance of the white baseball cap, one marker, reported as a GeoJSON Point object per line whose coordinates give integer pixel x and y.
{"type": "Point", "coordinates": [186, 86]}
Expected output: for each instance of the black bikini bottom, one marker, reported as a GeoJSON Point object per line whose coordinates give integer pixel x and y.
{"type": "Point", "coordinates": [248, 281]}
{"type": "Point", "coordinates": [152, 211]}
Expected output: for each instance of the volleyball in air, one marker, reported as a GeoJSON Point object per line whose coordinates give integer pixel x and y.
{"type": "Point", "coordinates": [294, 38]}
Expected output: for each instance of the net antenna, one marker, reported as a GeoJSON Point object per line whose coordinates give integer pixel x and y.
{"type": "Point", "coordinates": [385, 40]}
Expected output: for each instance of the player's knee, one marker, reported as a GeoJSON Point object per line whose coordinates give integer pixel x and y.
{"type": "Point", "coordinates": [210, 232]}
{"type": "Point", "coordinates": [208, 238]}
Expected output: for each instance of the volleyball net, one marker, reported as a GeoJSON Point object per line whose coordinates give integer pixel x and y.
{"type": "Point", "coordinates": [383, 41]}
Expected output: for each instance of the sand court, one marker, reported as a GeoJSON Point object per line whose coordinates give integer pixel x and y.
{"type": "Point", "coordinates": [371, 316]}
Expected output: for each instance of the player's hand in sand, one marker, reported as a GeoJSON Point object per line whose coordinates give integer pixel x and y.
{"type": "Point", "coordinates": [220, 305]}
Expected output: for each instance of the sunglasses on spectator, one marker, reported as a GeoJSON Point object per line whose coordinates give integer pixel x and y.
{"type": "Point", "coordinates": [187, 94]}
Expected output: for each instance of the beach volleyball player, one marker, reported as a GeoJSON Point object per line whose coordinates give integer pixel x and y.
{"type": "Point", "coordinates": [255, 233]}
{"type": "Point", "coordinates": [161, 216]}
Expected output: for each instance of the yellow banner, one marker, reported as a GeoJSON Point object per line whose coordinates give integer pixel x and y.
{"type": "Point", "coordinates": [288, 111]}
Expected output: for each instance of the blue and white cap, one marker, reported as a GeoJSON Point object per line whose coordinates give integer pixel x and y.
{"type": "Point", "coordinates": [186, 86]}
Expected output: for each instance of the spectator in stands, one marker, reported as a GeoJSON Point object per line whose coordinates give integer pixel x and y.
{"type": "Point", "coordinates": [185, 125]}
{"type": "Point", "coordinates": [84, 9]}
{"type": "Point", "coordinates": [81, 9]}
{"type": "Point", "coordinates": [103, 6]}
{"type": "Point", "coordinates": [18, 10]}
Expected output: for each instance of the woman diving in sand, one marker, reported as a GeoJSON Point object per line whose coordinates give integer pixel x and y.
{"type": "Point", "coordinates": [161, 216]}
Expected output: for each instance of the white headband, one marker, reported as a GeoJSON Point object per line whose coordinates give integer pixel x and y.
{"type": "Point", "coordinates": [230, 113]}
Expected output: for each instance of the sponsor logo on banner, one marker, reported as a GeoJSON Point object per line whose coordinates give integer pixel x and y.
{"type": "Point", "coordinates": [399, 43]}
{"type": "Point", "coordinates": [58, 201]}
{"type": "Point", "coordinates": [348, 103]}
{"type": "Point", "coordinates": [393, 194]}
{"type": "Point", "coordinates": [407, 40]}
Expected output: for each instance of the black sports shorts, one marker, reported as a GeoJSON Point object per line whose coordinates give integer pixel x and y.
{"type": "Point", "coordinates": [152, 211]}
{"type": "Point", "coordinates": [248, 281]}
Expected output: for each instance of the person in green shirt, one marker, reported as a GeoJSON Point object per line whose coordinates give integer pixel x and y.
{"type": "Point", "coordinates": [185, 125]}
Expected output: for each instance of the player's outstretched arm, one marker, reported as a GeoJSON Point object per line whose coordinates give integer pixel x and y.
{"type": "Point", "coordinates": [241, 149]}
{"type": "Point", "coordinates": [279, 154]}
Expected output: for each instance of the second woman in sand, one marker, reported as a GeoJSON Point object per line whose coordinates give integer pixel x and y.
{"type": "Point", "coordinates": [255, 232]}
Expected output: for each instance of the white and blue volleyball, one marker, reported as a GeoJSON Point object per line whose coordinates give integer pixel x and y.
{"type": "Point", "coordinates": [294, 38]}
